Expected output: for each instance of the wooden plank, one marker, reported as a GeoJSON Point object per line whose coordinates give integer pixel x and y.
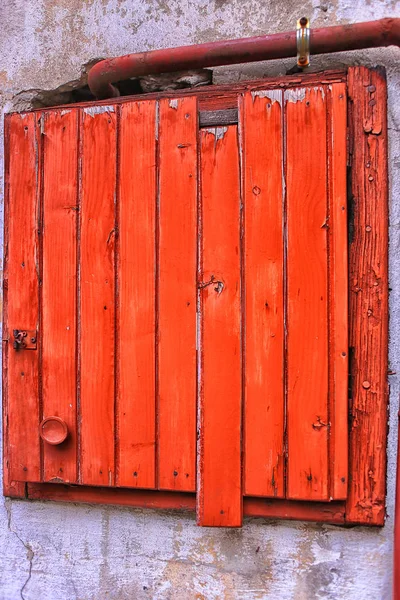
{"type": "Point", "coordinates": [159, 500]}
{"type": "Point", "coordinates": [328, 512]}
{"type": "Point", "coordinates": [368, 296]}
{"type": "Point", "coordinates": [220, 410]}
{"type": "Point", "coordinates": [136, 282]}
{"type": "Point", "coordinates": [338, 290]}
{"type": "Point", "coordinates": [21, 294]}
{"type": "Point", "coordinates": [59, 287]}
{"type": "Point", "coordinates": [264, 312]}
{"type": "Point", "coordinates": [325, 512]}
{"type": "Point", "coordinates": [307, 294]}
{"type": "Point", "coordinates": [97, 233]}
{"type": "Point", "coordinates": [177, 247]}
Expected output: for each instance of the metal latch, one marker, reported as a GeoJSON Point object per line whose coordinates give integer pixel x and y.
{"type": "Point", "coordinates": [25, 339]}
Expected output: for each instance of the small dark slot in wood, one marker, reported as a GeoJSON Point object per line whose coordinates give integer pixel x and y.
{"type": "Point", "coordinates": [216, 118]}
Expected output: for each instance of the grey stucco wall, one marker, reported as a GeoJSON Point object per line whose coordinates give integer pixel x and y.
{"type": "Point", "coordinates": [52, 551]}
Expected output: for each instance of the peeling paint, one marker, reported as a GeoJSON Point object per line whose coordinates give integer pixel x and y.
{"type": "Point", "coordinates": [272, 95]}
{"type": "Point", "coordinates": [321, 89]}
{"type": "Point", "coordinates": [174, 103]}
{"type": "Point", "coordinates": [157, 120]}
{"type": "Point", "coordinates": [218, 132]}
{"type": "Point", "coordinates": [295, 94]}
{"type": "Point", "coordinates": [98, 110]}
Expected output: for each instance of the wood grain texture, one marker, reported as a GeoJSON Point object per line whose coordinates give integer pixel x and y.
{"type": "Point", "coordinates": [368, 283]}
{"type": "Point", "coordinates": [136, 282]}
{"type": "Point", "coordinates": [21, 294]}
{"type": "Point", "coordinates": [307, 294]}
{"type": "Point", "coordinates": [220, 398]}
{"type": "Point", "coordinates": [59, 287]}
{"type": "Point", "coordinates": [97, 233]}
{"type": "Point", "coordinates": [338, 290]}
{"type": "Point", "coordinates": [177, 247]}
{"type": "Point", "coordinates": [261, 123]}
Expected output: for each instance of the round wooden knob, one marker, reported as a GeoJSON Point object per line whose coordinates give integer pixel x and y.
{"type": "Point", "coordinates": [53, 430]}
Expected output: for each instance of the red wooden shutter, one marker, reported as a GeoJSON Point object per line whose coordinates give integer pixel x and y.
{"type": "Point", "coordinates": [183, 290]}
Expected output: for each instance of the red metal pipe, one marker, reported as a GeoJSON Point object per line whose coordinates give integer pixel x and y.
{"type": "Point", "coordinates": [373, 34]}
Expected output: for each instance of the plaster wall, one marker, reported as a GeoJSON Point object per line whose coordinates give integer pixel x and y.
{"type": "Point", "coordinates": [52, 551]}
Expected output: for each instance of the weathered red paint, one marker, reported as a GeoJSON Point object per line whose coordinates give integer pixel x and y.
{"type": "Point", "coordinates": [372, 34]}
{"type": "Point", "coordinates": [368, 296]}
{"type": "Point", "coordinates": [173, 146]}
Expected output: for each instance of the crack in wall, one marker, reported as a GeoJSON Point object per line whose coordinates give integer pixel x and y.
{"type": "Point", "coordinates": [30, 555]}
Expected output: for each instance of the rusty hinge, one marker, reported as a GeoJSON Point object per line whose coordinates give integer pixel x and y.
{"type": "Point", "coordinates": [25, 339]}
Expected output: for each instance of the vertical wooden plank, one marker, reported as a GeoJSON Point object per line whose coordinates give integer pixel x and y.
{"type": "Point", "coordinates": [219, 484]}
{"type": "Point", "coordinates": [261, 121]}
{"type": "Point", "coordinates": [59, 287]}
{"type": "Point", "coordinates": [307, 294]}
{"type": "Point", "coordinates": [368, 296]}
{"type": "Point", "coordinates": [177, 294]}
{"type": "Point", "coordinates": [21, 265]}
{"type": "Point", "coordinates": [338, 290]}
{"type": "Point", "coordinates": [97, 295]}
{"type": "Point", "coordinates": [136, 282]}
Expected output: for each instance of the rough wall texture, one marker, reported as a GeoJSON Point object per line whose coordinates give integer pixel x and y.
{"type": "Point", "coordinates": [53, 551]}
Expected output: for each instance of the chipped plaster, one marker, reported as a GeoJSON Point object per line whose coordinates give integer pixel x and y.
{"type": "Point", "coordinates": [52, 551]}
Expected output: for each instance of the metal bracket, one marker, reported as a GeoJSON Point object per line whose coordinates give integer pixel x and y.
{"type": "Point", "coordinates": [303, 42]}
{"type": "Point", "coordinates": [25, 339]}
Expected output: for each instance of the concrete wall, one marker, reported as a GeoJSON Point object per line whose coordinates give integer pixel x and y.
{"type": "Point", "coordinates": [52, 551]}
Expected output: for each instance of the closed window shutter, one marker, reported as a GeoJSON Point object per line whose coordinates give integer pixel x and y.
{"type": "Point", "coordinates": [186, 291]}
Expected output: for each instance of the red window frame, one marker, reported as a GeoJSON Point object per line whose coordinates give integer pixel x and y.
{"type": "Point", "coordinates": [368, 318]}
